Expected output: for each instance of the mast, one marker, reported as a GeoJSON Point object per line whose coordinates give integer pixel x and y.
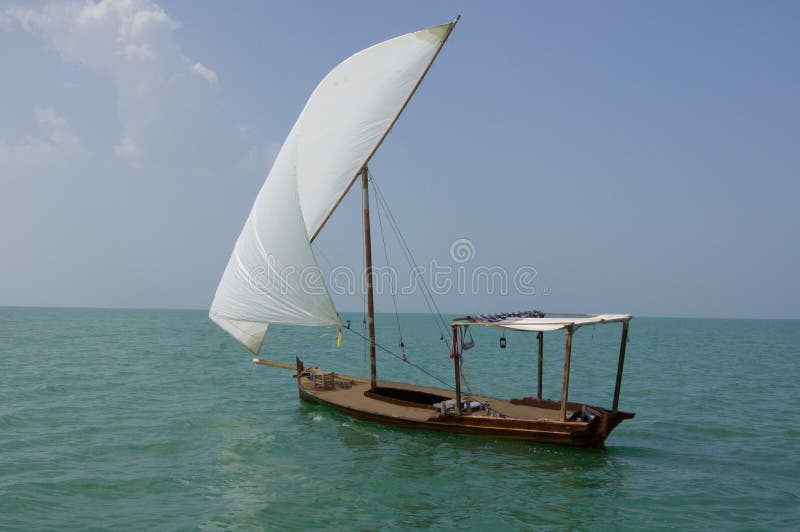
{"type": "Point", "coordinates": [373, 378]}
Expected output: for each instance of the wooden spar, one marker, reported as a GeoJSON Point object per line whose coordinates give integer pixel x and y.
{"type": "Point", "coordinates": [373, 373]}
{"type": "Point", "coordinates": [565, 384]}
{"type": "Point", "coordinates": [274, 363]}
{"type": "Point", "coordinates": [293, 367]}
{"type": "Point", "coordinates": [457, 366]}
{"type": "Point", "coordinates": [621, 363]}
{"type": "Point", "coordinates": [380, 141]}
{"type": "Point", "coordinates": [540, 337]}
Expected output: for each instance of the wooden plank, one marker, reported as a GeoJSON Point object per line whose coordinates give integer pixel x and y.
{"type": "Point", "coordinates": [274, 363]}
{"type": "Point", "coordinates": [284, 365]}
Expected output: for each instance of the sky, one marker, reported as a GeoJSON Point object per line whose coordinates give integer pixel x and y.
{"type": "Point", "coordinates": [636, 157]}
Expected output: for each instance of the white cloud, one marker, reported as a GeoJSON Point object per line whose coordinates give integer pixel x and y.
{"type": "Point", "coordinates": [56, 126]}
{"type": "Point", "coordinates": [127, 148]}
{"type": "Point", "coordinates": [60, 146]}
{"type": "Point", "coordinates": [206, 72]}
{"type": "Point", "coordinates": [160, 96]}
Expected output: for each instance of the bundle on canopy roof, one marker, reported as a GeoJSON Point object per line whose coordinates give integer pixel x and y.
{"type": "Point", "coordinates": [543, 322]}
{"type": "Point", "coordinates": [272, 275]}
{"type": "Point", "coordinates": [494, 318]}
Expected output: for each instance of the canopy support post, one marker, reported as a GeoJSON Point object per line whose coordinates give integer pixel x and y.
{"type": "Point", "coordinates": [373, 373]}
{"type": "Point", "coordinates": [457, 366]}
{"type": "Point", "coordinates": [565, 384]}
{"type": "Point", "coordinates": [620, 364]}
{"type": "Point", "coordinates": [540, 337]}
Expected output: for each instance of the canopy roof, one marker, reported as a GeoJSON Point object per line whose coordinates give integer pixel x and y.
{"type": "Point", "coordinates": [547, 322]}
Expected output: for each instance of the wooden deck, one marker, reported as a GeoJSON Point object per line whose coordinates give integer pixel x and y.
{"type": "Point", "coordinates": [354, 398]}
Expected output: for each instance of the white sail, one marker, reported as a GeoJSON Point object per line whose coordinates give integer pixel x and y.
{"type": "Point", "coordinates": [272, 275]}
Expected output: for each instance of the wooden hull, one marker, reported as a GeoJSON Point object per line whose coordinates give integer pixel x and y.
{"type": "Point", "coordinates": [525, 419]}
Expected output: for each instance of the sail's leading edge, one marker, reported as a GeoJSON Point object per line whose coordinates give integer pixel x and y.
{"type": "Point", "coordinates": [272, 275]}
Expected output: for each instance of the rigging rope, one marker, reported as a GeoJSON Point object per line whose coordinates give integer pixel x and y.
{"type": "Point", "coordinates": [391, 288]}
{"type": "Point", "coordinates": [389, 351]}
{"type": "Point", "coordinates": [381, 204]}
{"type": "Point", "coordinates": [427, 294]}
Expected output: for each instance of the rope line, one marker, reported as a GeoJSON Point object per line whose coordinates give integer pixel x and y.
{"type": "Point", "coordinates": [394, 296]}
{"type": "Point", "coordinates": [389, 351]}
{"type": "Point", "coordinates": [426, 291]}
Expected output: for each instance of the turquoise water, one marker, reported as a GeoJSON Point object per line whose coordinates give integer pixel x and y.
{"type": "Point", "coordinates": [135, 419]}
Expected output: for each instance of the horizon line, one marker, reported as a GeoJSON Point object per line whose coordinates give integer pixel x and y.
{"type": "Point", "coordinates": [195, 309]}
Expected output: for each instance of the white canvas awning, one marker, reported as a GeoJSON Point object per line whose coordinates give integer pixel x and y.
{"type": "Point", "coordinates": [553, 322]}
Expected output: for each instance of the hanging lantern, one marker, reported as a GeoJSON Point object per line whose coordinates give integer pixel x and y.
{"type": "Point", "coordinates": [467, 342]}
{"type": "Point", "coordinates": [503, 342]}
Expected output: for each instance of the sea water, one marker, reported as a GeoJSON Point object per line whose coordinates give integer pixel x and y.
{"type": "Point", "coordinates": [149, 418]}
